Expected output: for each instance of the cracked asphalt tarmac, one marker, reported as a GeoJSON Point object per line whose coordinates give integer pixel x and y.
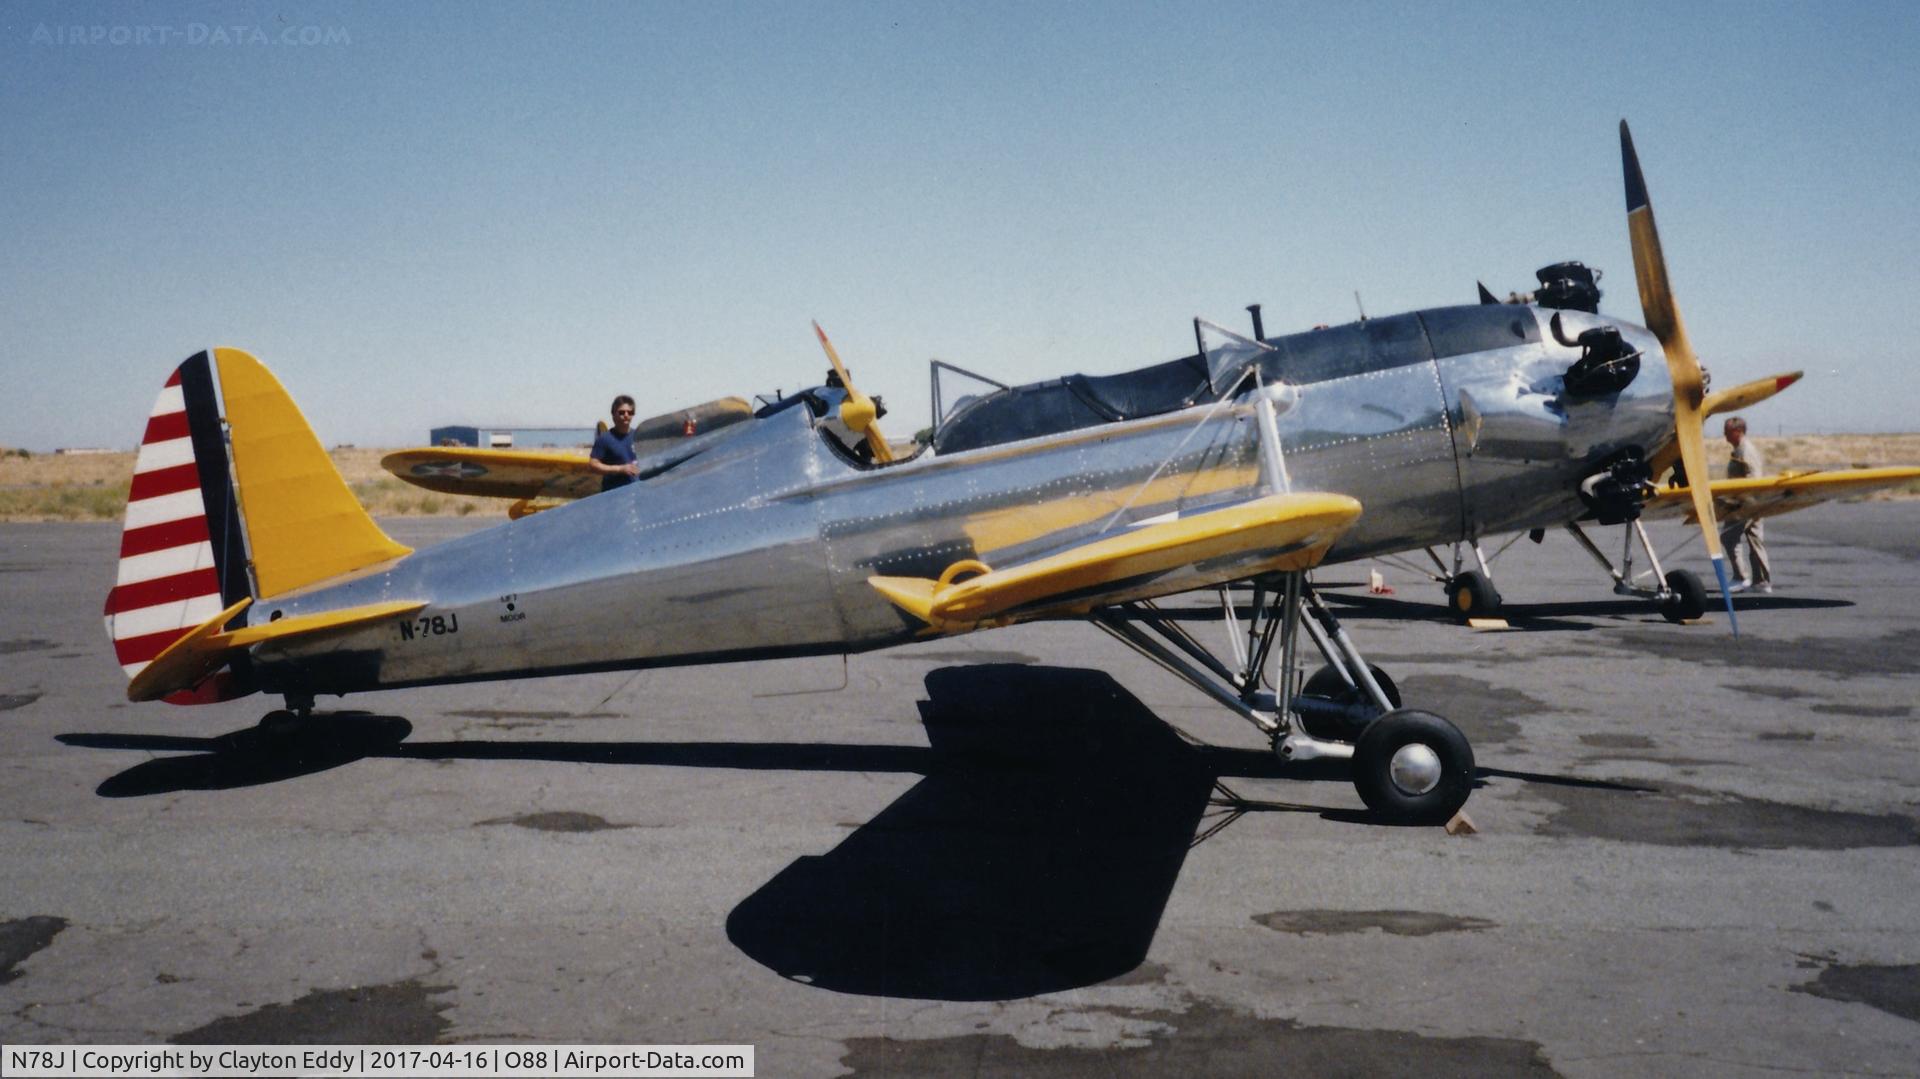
{"type": "Point", "coordinates": [1693, 854]}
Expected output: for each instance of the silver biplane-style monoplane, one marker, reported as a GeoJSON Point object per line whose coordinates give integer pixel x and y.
{"type": "Point", "coordinates": [247, 566]}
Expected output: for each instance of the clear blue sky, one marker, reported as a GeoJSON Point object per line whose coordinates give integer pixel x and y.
{"type": "Point", "coordinates": [430, 214]}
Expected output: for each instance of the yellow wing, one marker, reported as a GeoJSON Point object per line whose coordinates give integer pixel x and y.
{"type": "Point", "coordinates": [1278, 532]}
{"type": "Point", "coordinates": [532, 474]}
{"type": "Point", "coordinates": [1770, 496]}
{"type": "Point", "coordinates": [460, 470]}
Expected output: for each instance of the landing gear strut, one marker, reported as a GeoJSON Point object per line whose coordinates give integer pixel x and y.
{"type": "Point", "coordinates": [1470, 592]}
{"type": "Point", "coordinates": [1679, 596]}
{"type": "Point", "coordinates": [1408, 766]}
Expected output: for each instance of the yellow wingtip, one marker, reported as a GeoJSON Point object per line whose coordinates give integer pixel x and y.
{"type": "Point", "coordinates": [913, 595]}
{"type": "Point", "coordinates": [1747, 394]}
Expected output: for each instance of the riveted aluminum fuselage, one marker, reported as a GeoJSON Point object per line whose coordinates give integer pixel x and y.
{"type": "Point", "coordinates": [762, 547]}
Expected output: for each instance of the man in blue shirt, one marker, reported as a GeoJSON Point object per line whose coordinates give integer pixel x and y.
{"type": "Point", "coordinates": [612, 455]}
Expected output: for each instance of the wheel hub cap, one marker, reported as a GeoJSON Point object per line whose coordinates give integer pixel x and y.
{"type": "Point", "coordinates": [1415, 768]}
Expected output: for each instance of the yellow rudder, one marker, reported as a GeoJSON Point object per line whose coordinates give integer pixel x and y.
{"type": "Point", "coordinates": [303, 523]}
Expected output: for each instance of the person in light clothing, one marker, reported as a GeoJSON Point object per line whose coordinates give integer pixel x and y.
{"type": "Point", "coordinates": [1746, 546]}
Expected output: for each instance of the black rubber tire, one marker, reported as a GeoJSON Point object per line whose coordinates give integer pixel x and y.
{"type": "Point", "coordinates": [1373, 761]}
{"type": "Point", "coordinates": [276, 731]}
{"type": "Point", "coordinates": [1471, 595]}
{"type": "Point", "coordinates": [1686, 596]}
{"type": "Point", "coordinates": [1327, 684]}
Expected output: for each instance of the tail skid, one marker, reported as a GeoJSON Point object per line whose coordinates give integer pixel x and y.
{"type": "Point", "coordinates": [233, 499]}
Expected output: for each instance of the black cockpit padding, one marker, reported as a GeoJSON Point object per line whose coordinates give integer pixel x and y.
{"type": "Point", "coordinates": [1073, 402]}
{"type": "Point", "coordinates": [1015, 413]}
{"type": "Point", "coordinates": [1358, 348]}
{"type": "Point", "coordinates": [1149, 391]}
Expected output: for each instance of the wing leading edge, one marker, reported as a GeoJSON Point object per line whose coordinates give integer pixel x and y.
{"type": "Point", "coordinates": [1769, 496]}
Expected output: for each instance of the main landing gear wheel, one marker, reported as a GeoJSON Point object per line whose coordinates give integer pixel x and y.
{"type": "Point", "coordinates": [1686, 597]}
{"type": "Point", "coordinates": [1413, 767]}
{"type": "Point", "coordinates": [1327, 684]}
{"type": "Point", "coordinates": [1472, 595]}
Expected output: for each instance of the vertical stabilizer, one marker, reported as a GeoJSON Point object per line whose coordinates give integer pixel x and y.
{"type": "Point", "coordinates": [303, 522]}
{"type": "Point", "coordinates": [220, 513]}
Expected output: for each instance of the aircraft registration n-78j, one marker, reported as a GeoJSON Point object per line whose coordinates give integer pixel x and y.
{"type": "Point", "coordinates": [247, 566]}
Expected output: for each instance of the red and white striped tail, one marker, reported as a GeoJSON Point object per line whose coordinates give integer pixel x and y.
{"type": "Point", "coordinates": [172, 551]}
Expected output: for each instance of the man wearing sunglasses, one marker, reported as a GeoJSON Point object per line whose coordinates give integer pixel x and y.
{"type": "Point", "coordinates": [612, 455]}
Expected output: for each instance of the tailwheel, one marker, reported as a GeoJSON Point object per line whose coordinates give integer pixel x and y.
{"type": "Point", "coordinates": [1413, 767]}
{"type": "Point", "coordinates": [280, 728]}
{"type": "Point", "coordinates": [282, 723]}
{"type": "Point", "coordinates": [1472, 595]}
{"type": "Point", "coordinates": [1685, 597]}
{"type": "Point", "coordinates": [277, 732]}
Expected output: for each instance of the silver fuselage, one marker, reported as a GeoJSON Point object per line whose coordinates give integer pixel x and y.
{"type": "Point", "coordinates": [763, 546]}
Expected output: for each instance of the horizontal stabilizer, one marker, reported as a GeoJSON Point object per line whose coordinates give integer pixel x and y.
{"type": "Point", "coordinates": [206, 647]}
{"type": "Point", "coordinates": [1277, 533]}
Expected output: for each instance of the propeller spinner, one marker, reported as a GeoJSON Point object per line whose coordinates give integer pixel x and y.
{"type": "Point", "coordinates": [1689, 388]}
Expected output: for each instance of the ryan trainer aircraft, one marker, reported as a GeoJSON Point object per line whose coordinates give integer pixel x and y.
{"type": "Point", "coordinates": [247, 566]}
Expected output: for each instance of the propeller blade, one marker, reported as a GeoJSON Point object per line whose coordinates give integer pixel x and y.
{"type": "Point", "coordinates": [858, 411]}
{"type": "Point", "coordinates": [1689, 388]}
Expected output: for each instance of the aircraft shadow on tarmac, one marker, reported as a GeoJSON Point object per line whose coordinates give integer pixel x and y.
{"type": "Point", "coordinates": [1037, 854]}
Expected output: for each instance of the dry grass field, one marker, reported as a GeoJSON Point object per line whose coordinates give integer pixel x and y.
{"type": "Point", "coordinates": [93, 487]}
